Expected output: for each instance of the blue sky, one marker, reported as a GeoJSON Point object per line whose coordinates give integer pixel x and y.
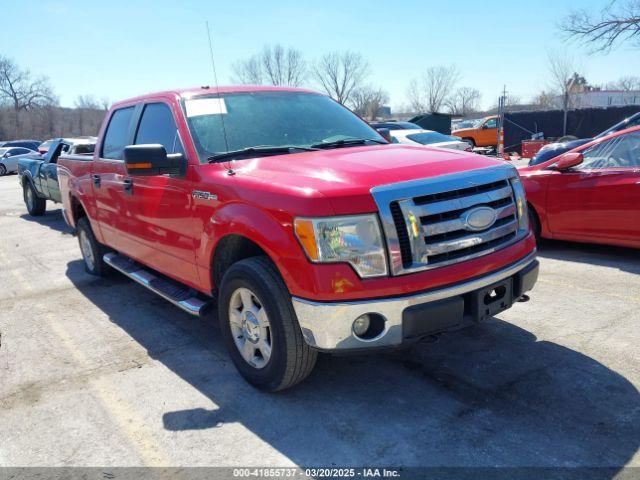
{"type": "Point", "coordinates": [118, 49]}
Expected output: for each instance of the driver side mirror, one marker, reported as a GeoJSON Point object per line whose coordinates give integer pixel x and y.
{"type": "Point", "coordinates": [152, 159]}
{"type": "Point", "coordinates": [385, 133]}
{"type": "Point", "coordinates": [568, 160]}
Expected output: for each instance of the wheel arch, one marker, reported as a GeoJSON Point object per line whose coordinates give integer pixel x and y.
{"type": "Point", "coordinates": [239, 231]}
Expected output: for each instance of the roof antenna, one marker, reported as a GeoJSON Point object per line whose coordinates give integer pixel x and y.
{"type": "Point", "coordinates": [215, 78]}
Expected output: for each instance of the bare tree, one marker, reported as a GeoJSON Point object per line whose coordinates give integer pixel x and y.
{"type": "Point", "coordinates": [464, 101]}
{"type": "Point", "coordinates": [616, 23]}
{"type": "Point", "coordinates": [366, 101]}
{"type": "Point", "coordinates": [340, 74]}
{"type": "Point", "coordinates": [433, 90]}
{"type": "Point", "coordinates": [273, 65]}
{"type": "Point", "coordinates": [438, 84]}
{"type": "Point", "coordinates": [546, 99]}
{"type": "Point", "coordinates": [564, 79]}
{"type": "Point", "coordinates": [284, 66]}
{"type": "Point", "coordinates": [415, 97]}
{"type": "Point", "coordinates": [86, 101]}
{"type": "Point", "coordinates": [89, 113]}
{"type": "Point", "coordinates": [626, 84]}
{"type": "Point", "coordinates": [248, 71]}
{"type": "Point", "coordinates": [20, 89]}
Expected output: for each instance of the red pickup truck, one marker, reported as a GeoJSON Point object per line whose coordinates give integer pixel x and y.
{"type": "Point", "coordinates": [299, 221]}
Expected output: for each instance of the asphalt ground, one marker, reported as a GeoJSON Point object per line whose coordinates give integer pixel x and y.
{"type": "Point", "coordinates": [101, 372]}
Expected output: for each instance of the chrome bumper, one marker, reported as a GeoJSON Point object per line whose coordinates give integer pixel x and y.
{"type": "Point", "coordinates": [328, 325]}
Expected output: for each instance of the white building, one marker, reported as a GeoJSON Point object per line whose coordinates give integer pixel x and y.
{"type": "Point", "coordinates": [604, 98]}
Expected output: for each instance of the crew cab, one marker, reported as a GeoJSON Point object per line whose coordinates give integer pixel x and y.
{"type": "Point", "coordinates": [38, 173]}
{"type": "Point", "coordinates": [590, 194]}
{"type": "Point", "coordinates": [295, 219]}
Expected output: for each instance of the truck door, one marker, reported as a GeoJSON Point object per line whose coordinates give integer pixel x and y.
{"type": "Point", "coordinates": [600, 198]}
{"type": "Point", "coordinates": [108, 174]}
{"type": "Point", "coordinates": [488, 133]}
{"type": "Point", "coordinates": [160, 207]}
{"type": "Point", "coordinates": [49, 172]}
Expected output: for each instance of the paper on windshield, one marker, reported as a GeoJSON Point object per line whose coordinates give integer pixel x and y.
{"type": "Point", "coordinates": [205, 106]}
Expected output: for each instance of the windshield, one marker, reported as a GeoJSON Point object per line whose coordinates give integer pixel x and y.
{"type": "Point", "coordinates": [425, 138]}
{"type": "Point", "coordinates": [3, 151]}
{"type": "Point", "coordinates": [285, 119]}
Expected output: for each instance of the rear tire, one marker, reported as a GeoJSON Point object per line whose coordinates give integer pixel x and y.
{"type": "Point", "coordinates": [254, 306]}
{"type": "Point", "coordinates": [36, 206]}
{"type": "Point", "coordinates": [92, 251]}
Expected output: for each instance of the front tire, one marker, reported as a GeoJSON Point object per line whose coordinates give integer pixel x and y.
{"type": "Point", "coordinates": [3, 170]}
{"type": "Point", "coordinates": [36, 206]}
{"type": "Point", "coordinates": [92, 250]}
{"type": "Point", "coordinates": [470, 141]}
{"type": "Point", "coordinates": [260, 328]}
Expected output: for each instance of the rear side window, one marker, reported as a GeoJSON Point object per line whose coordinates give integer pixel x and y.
{"type": "Point", "coordinates": [157, 126]}
{"type": "Point", "coordinates": [117, 136]}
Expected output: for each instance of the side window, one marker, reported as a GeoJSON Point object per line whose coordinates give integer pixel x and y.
{"type": "Point", "coordinates": [157, 126]}
{"type": "Point", "coordinates": [619, 152]}
{"type": "Point", "coordinates": [493, 123]}
{"type": "Point", "coordinates": [117, 135]}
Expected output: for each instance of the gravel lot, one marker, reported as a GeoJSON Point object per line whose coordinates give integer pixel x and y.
{"type": "Point", "coordinates": [102, 372]}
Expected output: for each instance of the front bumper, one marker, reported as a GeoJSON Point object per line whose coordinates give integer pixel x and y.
{"type": "Point", "coordinates": [328, 325]}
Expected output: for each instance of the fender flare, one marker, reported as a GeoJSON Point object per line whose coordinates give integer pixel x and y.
{"type": "Point", "coordinates": [274, 237]}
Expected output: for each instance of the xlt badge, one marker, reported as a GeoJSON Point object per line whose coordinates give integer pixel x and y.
{"type": "Point", "coordinates": [204, 195]}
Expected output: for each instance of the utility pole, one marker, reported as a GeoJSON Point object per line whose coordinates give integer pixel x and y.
{"type": "Point", "coordinates": [568, 85]}
{"type": "Point", "coordinates": [501, 106]}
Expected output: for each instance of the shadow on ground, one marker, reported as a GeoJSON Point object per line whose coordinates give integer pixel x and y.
{"type": "Point", "coordinates": [52, 219]}
{"type": "Point", "coordinates": [491, 395]}
{"type": "Point", "coordinates": [626, 259]}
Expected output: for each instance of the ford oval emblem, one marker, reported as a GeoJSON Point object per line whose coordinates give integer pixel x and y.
{"type": "Point", "coordinates": [479, 218]}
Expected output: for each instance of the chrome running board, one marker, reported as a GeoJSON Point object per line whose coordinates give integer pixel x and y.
{"type": "Point", "coordinates": [181, 296]}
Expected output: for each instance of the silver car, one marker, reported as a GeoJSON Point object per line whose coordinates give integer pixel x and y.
{"type": "Point", "coordinates": [9, 158]}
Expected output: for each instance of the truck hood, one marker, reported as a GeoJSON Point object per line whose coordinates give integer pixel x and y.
{"type": "Point", "coordinates": [464, 131]}
{"type": "Point", "coordinates": [345, 176]}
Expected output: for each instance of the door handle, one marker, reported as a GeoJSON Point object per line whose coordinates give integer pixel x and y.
{"type": "Point", "coordinates": [128, 185]}
{"type": "Point", "coordinates": [96, 180]}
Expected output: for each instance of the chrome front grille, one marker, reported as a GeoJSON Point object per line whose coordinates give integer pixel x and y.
{"type": "Point", "coordinates": [443, 220]}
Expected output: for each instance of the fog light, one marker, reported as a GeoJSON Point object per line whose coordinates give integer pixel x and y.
{"type": "Point", "coordinates": [368, 326]}
{"type": "Point", "coordinates": [361, 325]}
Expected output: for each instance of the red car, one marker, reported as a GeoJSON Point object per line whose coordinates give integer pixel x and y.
{"type": "Point", "coordinates": [590, 194]}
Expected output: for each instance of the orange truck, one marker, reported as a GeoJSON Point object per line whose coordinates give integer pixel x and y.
{"type": "Point", "coordinates": [484, 134]}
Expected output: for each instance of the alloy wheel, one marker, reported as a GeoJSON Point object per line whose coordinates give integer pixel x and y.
{"type": "Point", "coordinates": [250, 327]}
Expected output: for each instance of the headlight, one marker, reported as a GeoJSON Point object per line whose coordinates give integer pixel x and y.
{"type": "Point", "coordinates": [521, 203]}
{"type": "Point", "coordinates": [356, 240]}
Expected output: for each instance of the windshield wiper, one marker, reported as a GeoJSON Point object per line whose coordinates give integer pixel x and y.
{"type": "Point", "coordinates": [259, 150]}
{"type": "Point", "coordinates": [346, 142]}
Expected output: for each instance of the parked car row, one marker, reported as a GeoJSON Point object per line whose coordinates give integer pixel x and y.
{"type": "Point", "coordinates": [589, 194]}
{"type": "Point", "coordinates": [38, 174]}
{"type": "Point", "coordinates": [412, 134]}
{"type": "Point", "coordinates": [553, 150]}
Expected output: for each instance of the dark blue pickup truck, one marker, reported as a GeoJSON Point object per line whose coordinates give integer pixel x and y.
{"type": "Point", "coordinates": [38, 174]}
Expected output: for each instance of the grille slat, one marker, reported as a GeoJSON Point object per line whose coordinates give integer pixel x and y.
{"type": "Point", "coordinates": [432, 230]}
{"type": "Point", "coordinates": [464, 203]}
{"type": "Point", "coordinates": [466, 241]}
{"type": "Point", "coordinates": [440, 227]}
{"type": "Point", "coordinates": [403, 236]}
